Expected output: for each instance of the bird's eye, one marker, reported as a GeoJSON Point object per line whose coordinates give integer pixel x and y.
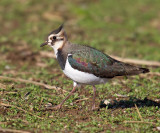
{"type": "Point", "coordinates": [54, 37]}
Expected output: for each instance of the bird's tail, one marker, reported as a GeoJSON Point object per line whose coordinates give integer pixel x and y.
{"type": "Point", "coordinates": [134, 70]}
{"type": "Point", "coordinates": [144, 70]}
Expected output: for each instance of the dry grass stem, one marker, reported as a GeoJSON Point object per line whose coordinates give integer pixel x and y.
{"type": "Point", "coordinates": [138, 112]}
{"type": "Point", "coordinates": [40, 102]}
{"type": "Point", "coordinates": [81, 100]}
{"type": "Point", "coordinates": [138, 62]}
{"type": "Point", "coordinates": [33, 82]}
{"type": "Point", "coordinates": [12, 131]}
{"type": "Point", "coordinates": [143, 122]}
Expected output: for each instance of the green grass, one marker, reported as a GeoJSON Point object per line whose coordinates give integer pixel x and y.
{"type": "Point", "coordinates": [123, 28]}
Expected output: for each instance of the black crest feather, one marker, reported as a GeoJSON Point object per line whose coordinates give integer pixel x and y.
{"type": "Point", "coordinates": [57, 30]}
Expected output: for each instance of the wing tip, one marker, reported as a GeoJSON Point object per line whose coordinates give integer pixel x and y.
{"type": "Point", "coordinates": [144, 70]}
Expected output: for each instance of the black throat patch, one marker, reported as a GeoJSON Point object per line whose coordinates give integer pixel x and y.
{"type": "Point", "coordinates": [61, 58]}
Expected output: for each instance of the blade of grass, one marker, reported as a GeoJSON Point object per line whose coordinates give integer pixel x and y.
{"type": "Point", "coordinates": [13, 106]}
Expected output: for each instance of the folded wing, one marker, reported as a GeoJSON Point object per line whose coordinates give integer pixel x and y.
{"type": "Point", "coordinates": [101, 65]}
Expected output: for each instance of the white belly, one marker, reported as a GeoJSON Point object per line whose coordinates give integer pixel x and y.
{"type": "Point", "coordinates": [82, 77]}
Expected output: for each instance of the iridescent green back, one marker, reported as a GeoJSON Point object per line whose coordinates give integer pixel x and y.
{"type": "Point", "coordinates": [90, 60]}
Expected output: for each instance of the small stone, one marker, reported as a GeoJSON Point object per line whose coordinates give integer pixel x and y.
{"type": "Point", "coordinates": [65, 126]}
{"type": "Point", "coordinates": [48, 105]}
{"type": "Point", "coordinates": [31, 107]}
{"type": "Point", "coordinates": [158, 128]}
{"type": "Point", "coordinates": [106, 102]}
{"type": "Point", "coordinates": [7, 67]}
{"type": "Point", "coordinates": [51, 116]}
{"type": "Point", "coordinates": [157, 100]}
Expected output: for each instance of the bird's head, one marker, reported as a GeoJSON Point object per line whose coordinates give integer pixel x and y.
{"type": "Point", "coordinates": [56, 38]}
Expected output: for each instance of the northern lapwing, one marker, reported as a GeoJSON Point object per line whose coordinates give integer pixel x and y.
{"type": "Point", "coordinates": [86, 65]}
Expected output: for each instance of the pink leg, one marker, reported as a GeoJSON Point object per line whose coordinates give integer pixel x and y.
{"type": "Point", "coordinates": [60, 105]}
{"type": "Point", "coordinates": [94, 96]}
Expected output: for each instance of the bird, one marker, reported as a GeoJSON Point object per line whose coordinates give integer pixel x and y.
{"type": "Point", "coordinates": [85, 65]}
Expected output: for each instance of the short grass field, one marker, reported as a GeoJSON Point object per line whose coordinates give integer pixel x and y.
{"type": "Point", "coordinates": [127, 29]}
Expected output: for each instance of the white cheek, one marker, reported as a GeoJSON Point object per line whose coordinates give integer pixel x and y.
{"type": "Point", "coordinates": [56, 46]}
{"type": "Point", "coordinates": [49, 40]}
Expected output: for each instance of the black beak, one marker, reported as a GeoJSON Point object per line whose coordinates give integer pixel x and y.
{"type": "Point", "coordinates": [43, 44]}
